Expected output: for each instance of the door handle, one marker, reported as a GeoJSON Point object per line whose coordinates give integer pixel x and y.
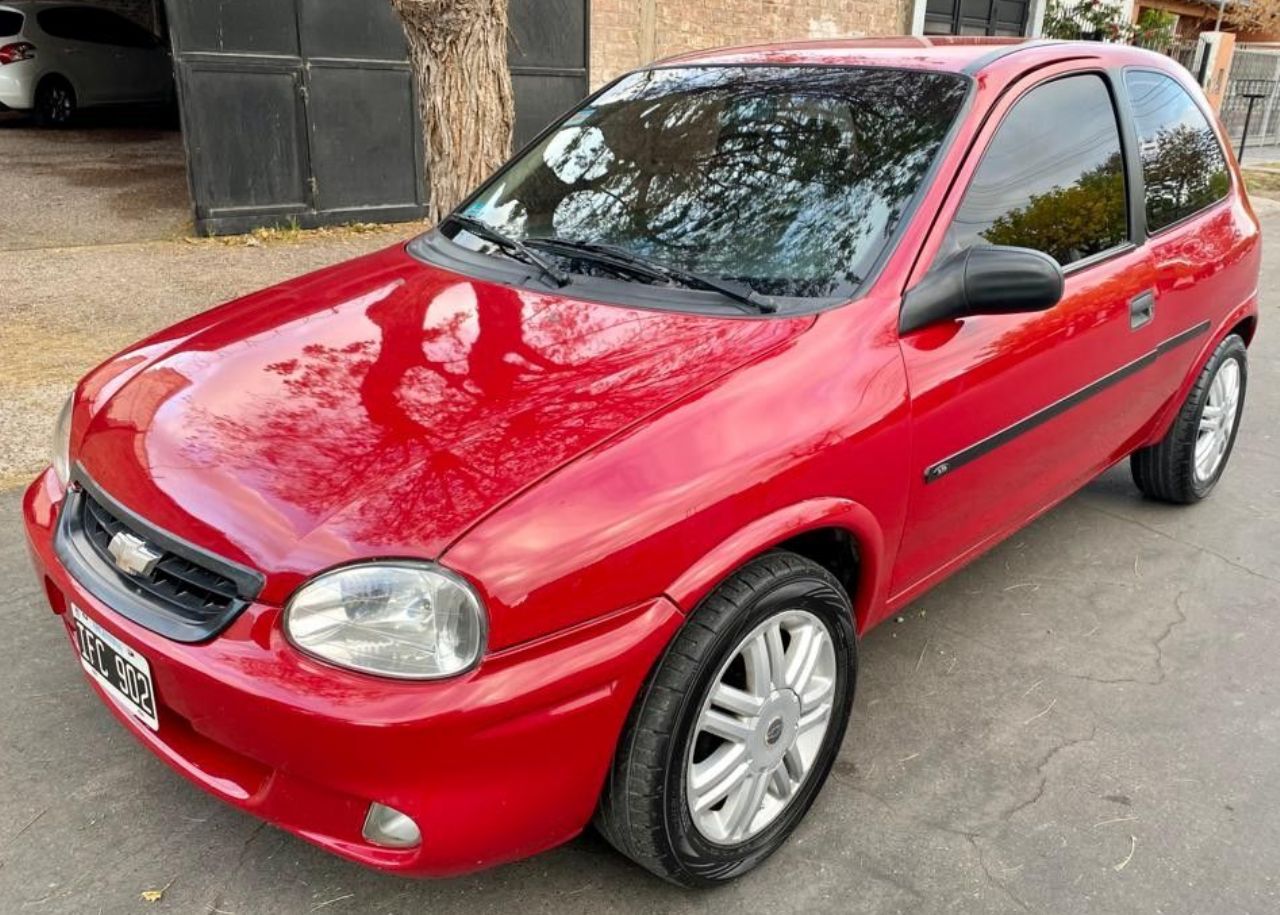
{"type": "Point", "coordinates": [1142, 308]}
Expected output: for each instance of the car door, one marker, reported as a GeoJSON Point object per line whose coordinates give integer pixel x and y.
{"type": "Point", "coordinates": [1012, 412]}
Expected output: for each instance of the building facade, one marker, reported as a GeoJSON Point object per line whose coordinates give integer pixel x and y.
{"type": "Point", "coordinates": [331, 77]}
{"type": "Point", "coordinates": [628, 33]}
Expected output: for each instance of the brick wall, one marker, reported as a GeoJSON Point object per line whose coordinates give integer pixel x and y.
{"type": "Point", "coordinates": [628, 33]}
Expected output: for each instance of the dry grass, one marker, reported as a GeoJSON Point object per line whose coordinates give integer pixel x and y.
{"type": "Point", "coordinates": [292, 234]}
{"type": "Point", "coordinates": [1263, 181]}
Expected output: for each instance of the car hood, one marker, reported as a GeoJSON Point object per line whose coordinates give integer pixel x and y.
{"type": "Point", "coordinates": [380, 408]}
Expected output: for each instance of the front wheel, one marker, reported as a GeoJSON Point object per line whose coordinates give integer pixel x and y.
{"type": "Point", "coordinates": [1185, 465]}
{"type": "Point", "coordinates": [737, 727]}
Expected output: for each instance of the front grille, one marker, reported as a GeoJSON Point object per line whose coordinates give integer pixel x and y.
{"type": "Point", "coordinates": [187, 594]}
{"type": "Point", "coordinates": [190, 591]}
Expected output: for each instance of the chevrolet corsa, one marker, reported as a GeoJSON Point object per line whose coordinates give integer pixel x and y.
{"type": "Point", "coordinates": [574, 508]}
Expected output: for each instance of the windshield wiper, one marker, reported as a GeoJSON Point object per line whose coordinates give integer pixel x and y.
{"type": "Point", "coordinates": [516, 248]}
{"type": "Point", "coordinates": [620, 258]}
{"type": "Point", "coordinates": [619, 261]}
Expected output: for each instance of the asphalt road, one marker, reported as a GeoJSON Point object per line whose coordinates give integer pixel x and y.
{"type": "Point", "coordinates": [1085, 720]}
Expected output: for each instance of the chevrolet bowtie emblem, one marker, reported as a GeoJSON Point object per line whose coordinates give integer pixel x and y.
{"type": "Point", "coordinates": [133, 555]}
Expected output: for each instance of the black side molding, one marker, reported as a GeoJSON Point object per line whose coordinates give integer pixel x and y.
{"type": "Point", "coordinates": [1009, 433]}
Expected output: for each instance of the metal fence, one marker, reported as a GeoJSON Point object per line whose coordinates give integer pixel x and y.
{"type": "Point", "coordinates": [1186, 51]}
{"type": "Point", "coordinates": [1254, 82]}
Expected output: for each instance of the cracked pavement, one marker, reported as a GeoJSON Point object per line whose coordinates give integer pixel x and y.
{"type": "Point", "coordinates": [1084, 720]}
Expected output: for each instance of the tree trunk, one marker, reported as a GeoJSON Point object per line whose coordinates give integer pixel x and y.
{"type": "Point", "coordinates": [458, 51]}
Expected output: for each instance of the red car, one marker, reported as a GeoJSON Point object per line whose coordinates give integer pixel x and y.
{"type": "Point", "coordinates": [575, 507]}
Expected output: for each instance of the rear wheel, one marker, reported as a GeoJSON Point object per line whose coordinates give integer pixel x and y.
{"type": "Point", "coordinates": [736, 730]}
{"type": "Point", "coordinates": [1187, 463]}
{"type": "Point", "coordinates": [55, 102]}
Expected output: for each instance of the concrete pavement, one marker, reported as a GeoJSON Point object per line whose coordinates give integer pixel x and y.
{"type": "Point", "coordinates": [1085, 720]}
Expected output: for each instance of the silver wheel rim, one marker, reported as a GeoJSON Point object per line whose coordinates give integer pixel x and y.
{"type": "Point", "coordinates": [1217, 420]}
{"type": "Point", "coordinates": [59, 103]}
{"type": "Point", "coordinates": [761, 727]}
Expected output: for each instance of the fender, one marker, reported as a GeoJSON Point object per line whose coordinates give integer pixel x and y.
{"type": "Point", "coordinates": [698, 580]}
{"type": "Point", "coordinates": [1169, 412]}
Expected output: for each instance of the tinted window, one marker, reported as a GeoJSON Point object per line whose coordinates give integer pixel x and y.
{"type": "Point", "coordinates": [1182, 163]}
{"type": "Point", "coordinates": [1052, 178]}
{"type": "Point", "coordinates": [64, 22]}
{"type": "Point", "coordinates": [10, 23]}
{"type": "Point", "coordinates": [97, 26]}
{"type": "Point", "coordinates": [788, 179]}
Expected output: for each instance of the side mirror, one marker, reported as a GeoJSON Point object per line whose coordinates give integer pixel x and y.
{"type": "Point", "coordinates": [983, 280]}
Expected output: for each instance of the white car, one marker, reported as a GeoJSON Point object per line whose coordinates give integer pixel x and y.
{"type": "Point", "coordinates": [56, 58]}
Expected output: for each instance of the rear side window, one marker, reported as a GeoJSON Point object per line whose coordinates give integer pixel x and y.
{"type": "Point", "coordinates": [1182, 162]}
{"type": "Point", "coordinates": [10, 23]}
{"type": "Point", "coordinates": [97, 26]}
{"type": "Point", "coordinates": [65, 22]}
{"type": "Point", "coordinates": [1052, 177]}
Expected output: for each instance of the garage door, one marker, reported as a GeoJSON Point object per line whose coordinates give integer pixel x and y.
{"type": "Point", "coordinates": [548, 52]}
{"type": "Point", "coordinates": [305, 110]}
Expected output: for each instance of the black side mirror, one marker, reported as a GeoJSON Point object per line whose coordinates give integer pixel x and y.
{"type": "Point", "coordinates": [983, 280]}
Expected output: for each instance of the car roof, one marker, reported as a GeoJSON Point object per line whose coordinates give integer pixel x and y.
{"type": "Point", "coordinates": [957, 54]}
{"type": "Point", "coordinates": [28, 6]}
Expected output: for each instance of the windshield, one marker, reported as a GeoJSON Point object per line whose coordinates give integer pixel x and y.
{"type": "Point", "coordinates": [788, 180]}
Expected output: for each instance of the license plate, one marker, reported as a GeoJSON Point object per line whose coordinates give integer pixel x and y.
{"type": "Point", "coordinates": [121, 671]}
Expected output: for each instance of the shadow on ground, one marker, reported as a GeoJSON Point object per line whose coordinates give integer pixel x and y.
{"type": "Point", "coordinates": [116, 175]}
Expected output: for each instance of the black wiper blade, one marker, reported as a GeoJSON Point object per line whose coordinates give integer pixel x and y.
{"type": "Point", "coordinates": [739, 292]}
{"type": "Point", "coordinates": [617, 260]}
{"type": "Point", "coordinates": [512, 246]}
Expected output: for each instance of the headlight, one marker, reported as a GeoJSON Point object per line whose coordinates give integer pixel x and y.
{"type": "Point", "coordinates": [412, 620]}
{"type": "Point", "coordinates": [60, 452]}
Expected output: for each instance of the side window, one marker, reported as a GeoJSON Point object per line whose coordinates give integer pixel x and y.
{"type": "Point", "coordinates": [1182, 162]}
{"type": "Point", "coordinates": [1052, 177]}
{"type": "Point", "coordinates": [64, 22]}
{"type": "Point", "coordinates": [93, 25]}
{"type": "Point", "coordinates": [10, 23]}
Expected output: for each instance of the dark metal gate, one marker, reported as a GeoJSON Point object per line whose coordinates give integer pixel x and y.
{"type": "Point", "coordinates": [976, 17]}
{"type": "Point", "coordinates": [296, 109]}
{"type": "Point", "coordinates": [1253, 92]}
{"type": "Point", "coordinates": [304, 110]}
{"type": "Point", "coordinates": [548, 50]}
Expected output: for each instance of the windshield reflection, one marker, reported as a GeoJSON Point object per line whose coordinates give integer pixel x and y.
{"type": "Point", "coordinates": [786, 179]}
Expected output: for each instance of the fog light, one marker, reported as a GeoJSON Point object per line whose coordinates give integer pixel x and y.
{"type": "Point", "coordinates": [390, 828]}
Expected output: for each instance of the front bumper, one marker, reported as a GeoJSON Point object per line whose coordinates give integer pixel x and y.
{"type": "Point", "coordinates": [498, 764]}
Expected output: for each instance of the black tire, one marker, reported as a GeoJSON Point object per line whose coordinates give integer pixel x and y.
{"type": "Point", "coordinates": [1166, 471]}
{"type": "Point", "coordinates": [644, 812]}
{"type": "Point", "coordinates": [55, 102]}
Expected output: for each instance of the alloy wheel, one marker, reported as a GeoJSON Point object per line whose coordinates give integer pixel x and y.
{"type": "Point", "coordinates": [59, 105]}
{"type": "Point", "coordinates": [761, 727]}
{"type": "Point", "coordinates": [1217, 420]}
